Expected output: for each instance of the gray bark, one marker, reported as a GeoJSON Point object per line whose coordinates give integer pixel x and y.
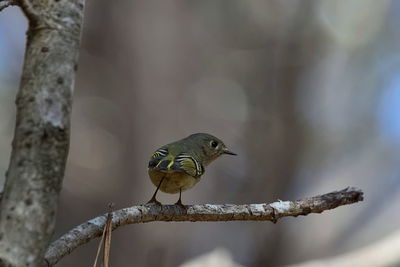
{"type": "Point", "coordinates": [193, 213]}
{"type": "Point", "coordinates": [41, 138]}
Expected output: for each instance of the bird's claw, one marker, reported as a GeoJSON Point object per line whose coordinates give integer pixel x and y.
{"type": "Point", "coordinates": [154, 201]}
{"type": "Point", "coordinates": [179, 203]}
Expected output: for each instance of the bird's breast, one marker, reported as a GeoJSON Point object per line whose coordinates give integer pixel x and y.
{"type": "Point", "coordinates": [173, 181]}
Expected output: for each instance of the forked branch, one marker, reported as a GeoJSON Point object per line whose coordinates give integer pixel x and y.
{"type": "Point", "coordinates": [194, 213]}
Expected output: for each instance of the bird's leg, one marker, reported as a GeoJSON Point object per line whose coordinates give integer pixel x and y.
{"type": "Point", "coordinates": [153, 199]}
{"type": "Point", "coordinates": [179, 202]}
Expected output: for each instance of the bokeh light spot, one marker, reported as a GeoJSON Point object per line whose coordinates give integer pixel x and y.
{"type": "Point", "coordinates": [352, 22]}
{"type": "Point", "coordinates": [94, 148]}
{"type": "Point", "coordinates": [389, 110]}
{"type": "Point", "coordinates": [220, 99]}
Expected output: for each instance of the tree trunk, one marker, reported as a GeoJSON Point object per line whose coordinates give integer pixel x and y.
{"type": "Point", "coordinates": [41, 138]}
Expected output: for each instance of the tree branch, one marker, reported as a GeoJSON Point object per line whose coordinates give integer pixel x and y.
{"type": "Point", "coordinates": [41, 138]}
{"type": "Point", "coordinates": [206, 212]}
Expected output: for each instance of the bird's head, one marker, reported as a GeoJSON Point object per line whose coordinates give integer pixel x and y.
{"type": "Point", "coordinates": [209, 147]}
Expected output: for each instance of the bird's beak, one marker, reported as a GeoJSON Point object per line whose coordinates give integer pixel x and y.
{"type": "Point", "coordinates": [227, 151]}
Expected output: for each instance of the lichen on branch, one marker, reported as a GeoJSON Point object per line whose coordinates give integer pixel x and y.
{"type": "Point", "coordinates": [196, 213]}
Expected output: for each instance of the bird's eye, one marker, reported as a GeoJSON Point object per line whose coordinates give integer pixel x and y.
{"type": "Point", "coordinates": [214, 144]}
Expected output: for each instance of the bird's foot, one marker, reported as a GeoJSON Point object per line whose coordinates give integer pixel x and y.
{"type": "Point", "coordinates": [154, 201]}
{"type": "Point", "coordinates": [179, 203]}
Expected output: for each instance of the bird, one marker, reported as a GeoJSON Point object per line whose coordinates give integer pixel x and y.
{"type": "Point", "coordinates": [178, 166]}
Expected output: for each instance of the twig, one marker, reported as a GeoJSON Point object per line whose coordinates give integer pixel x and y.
{"type": "Point", "coordinates": [107, 240]}
{"type": "Point", "coordinates": [100, 245]}
{"type": "Point", "coordinates": [206, 212]}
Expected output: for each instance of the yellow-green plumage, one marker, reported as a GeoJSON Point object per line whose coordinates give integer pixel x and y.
{"type": "Point", "coordinates": [178, 166]}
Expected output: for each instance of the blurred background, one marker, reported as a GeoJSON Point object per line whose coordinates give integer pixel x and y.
{"type": "Point", "coordinates": [306, 92]}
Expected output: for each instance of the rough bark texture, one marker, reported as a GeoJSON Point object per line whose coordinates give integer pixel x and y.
{"type": "Point", "coordinates": [207, 212]}
{"type": "Point", "coordinates": [41, 138]}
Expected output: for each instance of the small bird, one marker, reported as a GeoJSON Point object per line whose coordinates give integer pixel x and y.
{"type": "Point", "coordinates": [178, 166]}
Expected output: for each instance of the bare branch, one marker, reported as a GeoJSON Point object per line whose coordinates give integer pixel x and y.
{"type": "Point", "coordinates": [206, 212]}
{"type": "Point", "coordinates": [41, 139]}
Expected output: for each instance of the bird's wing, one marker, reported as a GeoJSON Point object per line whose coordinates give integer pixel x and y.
{"type": "Point", "coordinates": [162, 160]}
{"type": "Point", "coordinates": [187, 164]}
{"type": "Point", "coordinates": [157, 157]}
